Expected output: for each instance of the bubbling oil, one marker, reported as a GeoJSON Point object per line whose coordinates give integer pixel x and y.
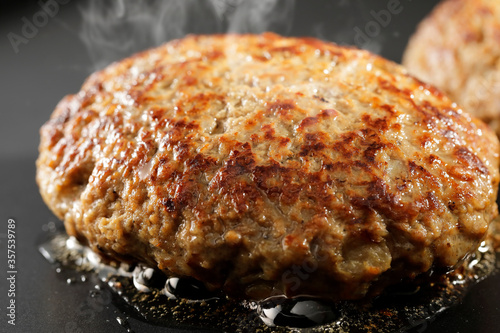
{"type": "Point", "coordinates": [147, 294]}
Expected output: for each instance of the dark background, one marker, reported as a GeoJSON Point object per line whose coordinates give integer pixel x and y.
{"type": "Point", "coordinates": [55, 61]}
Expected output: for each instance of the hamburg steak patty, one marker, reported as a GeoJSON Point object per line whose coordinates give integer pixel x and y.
{"type": "Point", "coordinates": [262, 165]}
{"type": "Point", "coordinates": [457, 48]}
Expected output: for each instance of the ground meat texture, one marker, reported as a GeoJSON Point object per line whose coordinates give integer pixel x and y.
{"type": "Point", "coordinates": [263, 165]}
{"type": "Point", "coordinates": [457, 48]}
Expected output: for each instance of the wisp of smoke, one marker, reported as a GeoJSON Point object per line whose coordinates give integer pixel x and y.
{"type": "Point", "coordinates": [115, 29]}
{"type": "Point", "coordinates": [256, 16]}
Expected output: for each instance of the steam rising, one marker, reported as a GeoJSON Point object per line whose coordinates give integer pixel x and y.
{"type": "Point", "coordinates": [115, 29]}
{"type": "Point", "coordinates": [257, 16]}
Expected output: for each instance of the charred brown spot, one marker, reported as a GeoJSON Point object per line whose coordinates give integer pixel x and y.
{"type": "Point", "coordinates": [379, 198]}
{"type": "Point", "coordinates": [283, 141]}
{"type": "Point", "coordinates": [433, 158]}
{"type": "Point", "coordinates": [432, 201]}
{"type": "Point", "coordinates": [472, 36]}
{"type": "Point", "coordinates": [281, 107]}
{"type": "Point", "coordinates": [396, 126]}
{"type": "Point", "coordinates": [260, 57]}
{"type": "Point", "coordinates": [88, 99]}
{"type": "Point", "coordinates": [213, 55]}
{"type": "Point", "coordinates": [187, 191]}
{"type": "Point", "coordinates": [269, 132]}
{"type": "Point", "coordinates": [306, 122]}
{"type": "Point", "coordinates": [327, 113]}
{"type": "Point", "coordinates": [175, 127]}
{"type": "Point", "coordinates": [388, 108]}
{"type": "Point", "coordinates": [169, 205]}
{"type": "Point", "coordinates": [461, 173]}
{"type": "Point", "coordinates": [323, 48]}
{"type": "Point", "coordinates": [421, 172]}
{"type": "Point", "coordinates": [250, 123]}
{"type": "Point", "coordinates": [201, 163]}
{"type": "Point", "coordinates": [424, 140]}
{"type": "Point", "coordinates": [379, 124]}
{"type": "Point", "coordinates": [157, 112]}
{"type": "Point", "coordinates": [277, 182]}
{"type": "Point", "coordinates": [320, 98]}
{"type": "Point", "coordinates": [345, 145]}
{"type": "Point", "coordinates": [292, 50]}
{"type": "Point", "coordinates": [240, 162]}
{"type": "Point", "coordinates": [313, 143]}
{"type": "Point", "coordinates": [190, 80]}
{"type": "Point", "coordinates": [386, 85]}
{"type": "Point", "coordinates": [465, 156]}
{"type": "Point", "coordinates": [371, 151]}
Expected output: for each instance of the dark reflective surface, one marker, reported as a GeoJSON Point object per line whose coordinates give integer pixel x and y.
{"type": "Point", "coordinates": [187, 288]}
{"type": "Point", "coordinates": [147, 278]}
{"type": "Point", "coordinates": [54, 63]}
{"type": "Point", "coordinates": [299, 313]}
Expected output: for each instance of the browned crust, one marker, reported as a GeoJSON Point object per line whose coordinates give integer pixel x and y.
{"type": "Point", "coordinates": [237, 159]}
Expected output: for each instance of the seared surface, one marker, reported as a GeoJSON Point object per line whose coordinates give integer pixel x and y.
{"type": "Point", "coordinates": [457, 48]}
{"type": "Point", "coordinates": [263, 164]}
